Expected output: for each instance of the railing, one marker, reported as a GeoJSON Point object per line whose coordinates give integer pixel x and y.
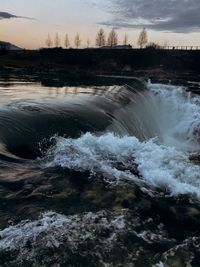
{"type": "Point", "coordinates": [181, 47]}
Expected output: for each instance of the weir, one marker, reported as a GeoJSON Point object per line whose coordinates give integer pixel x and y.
{"type": "Point", "coordinates": [69, 111]}
{"type": "Point", "coordinates": [159, 111]}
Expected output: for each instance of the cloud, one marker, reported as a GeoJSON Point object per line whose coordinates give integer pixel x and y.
{"type": "Point", "coordinates": [162, 15]}
{"type": "Point", "coordinates": [6, 15]}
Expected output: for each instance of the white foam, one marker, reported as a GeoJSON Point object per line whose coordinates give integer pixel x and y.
{"type": "Point", "coordinates": [30, 239]}
{"type": "Point", "coordinates": [160, 264]}
{"type": "Point", "coordinates": [98, 155]}
{"type": "Point", "coordinates": [53, 229]}
{"type": "Point", "coordinates": [160, 166]}
{"type": "Point", "coordinates": [178, 116]}
{"type": "Point", "coordinates": [162, 162]}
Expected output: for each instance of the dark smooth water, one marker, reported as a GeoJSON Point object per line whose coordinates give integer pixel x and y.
{"type": "Point", "coordinates": [30, 115]}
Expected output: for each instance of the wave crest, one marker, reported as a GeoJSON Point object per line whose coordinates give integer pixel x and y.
{"type": "Point", "coordinates": [126, 158]}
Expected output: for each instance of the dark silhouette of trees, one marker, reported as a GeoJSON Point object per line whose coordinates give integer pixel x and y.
{"type": "Point", "coordinates": [57, 40]}
{"type": "Point", "coordinates": [142, 40]}
{"type": "Point", "coordinates": [66, 41]}
{"type": "Point", "coordinates": [100, 39]}
{"type": "Point", "coordinates": [153, 45]}
{"type": "Point", "coordinates": [88, 43]}
{"type": "Point", "coordinates": [49, 41]}
{"type": "Point", "coordinates": [125, 42]}
{"type": "Point", "coordinates": [77, 41]}
{"type": "Point", "coordinates": [112, 38]}
{"type": "Point", "coordinates": [165, 44]}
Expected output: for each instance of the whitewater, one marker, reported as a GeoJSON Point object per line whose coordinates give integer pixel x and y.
{"type": "Point", "coordinates": [161, 162]}
{"type": "Point", "coordinates": [104, 176]}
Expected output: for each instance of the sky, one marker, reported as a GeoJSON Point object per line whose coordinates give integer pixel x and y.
{"type": "Point", "coordinates": [27, 23]}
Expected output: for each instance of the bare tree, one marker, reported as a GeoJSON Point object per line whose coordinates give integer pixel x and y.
{"type": "Point", "coordinates": [77, 41]}
{"type": "Point", "coordinates": [153, 45]}
{"type": "Point", "coordinates": [66, 41]}
{"type": "Point", "coordinates": [88, 43]}
{"type": "Point", "coordinates": [165, 44]}
{"type": "Point", "coordinates": [100, 39]}
{"type": "Point", "coordinates": [112, 38]}
{"type": "Point", "coordinates": [125, 42]}
{"type": "Point", "coordinates": [142, 40]}
{"type": "Point", "coordinates": [57, 40]}
{"type": "Point", "coordinates": [49, 41]}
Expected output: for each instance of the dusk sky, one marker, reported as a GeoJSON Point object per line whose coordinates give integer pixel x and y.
{"type": "Point", "coordinates": [29, 21]}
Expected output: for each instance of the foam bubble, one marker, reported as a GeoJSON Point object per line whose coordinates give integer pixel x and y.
{"type": "Point", "coordinates": [115, 158]}
{"type": "Point", "coordinates": [161, 162]}
{"type": "Point", "coordinates": [52, 227]}
{"type": "Point", "coordinates": [178, 116]}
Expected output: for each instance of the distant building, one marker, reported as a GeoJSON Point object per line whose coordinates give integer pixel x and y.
{"type": "Point", "coordinates": [116, 47]}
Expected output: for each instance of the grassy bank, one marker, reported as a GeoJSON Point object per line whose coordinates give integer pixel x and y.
{"type": "Point", "coordinates": [58, 65]}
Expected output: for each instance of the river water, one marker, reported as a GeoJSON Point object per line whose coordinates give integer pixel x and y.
{"type": "Point", "coordinates": [86, 172]}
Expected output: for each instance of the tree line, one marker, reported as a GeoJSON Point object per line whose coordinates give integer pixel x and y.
{"type": "Point", "coordinates": [101, 40]}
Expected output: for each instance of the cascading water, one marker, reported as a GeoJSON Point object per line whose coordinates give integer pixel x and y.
{"type": "Point", "coordinates": [156, 131]}
{"type": "Point", "coordinates": [178, 116]}
{"type": "Point", "coordinates": [86, 171]}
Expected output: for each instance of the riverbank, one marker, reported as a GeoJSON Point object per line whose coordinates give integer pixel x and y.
{"type": "Point", "coordinates": [62, 67]}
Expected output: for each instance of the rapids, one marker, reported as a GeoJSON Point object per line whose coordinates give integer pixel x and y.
{"type": "Point", "coordinates": [85, 171]}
